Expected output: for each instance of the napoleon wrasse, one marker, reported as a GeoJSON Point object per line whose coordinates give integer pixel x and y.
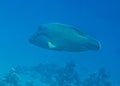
{"type": "Point", "coordinates": [61, 37]}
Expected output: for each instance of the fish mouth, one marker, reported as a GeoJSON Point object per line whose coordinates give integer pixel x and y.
{"type": "Point", "coordinates": [39, 40]}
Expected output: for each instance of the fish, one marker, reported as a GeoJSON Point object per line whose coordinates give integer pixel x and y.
{"type": "Point", "coordinates": [63, 37]}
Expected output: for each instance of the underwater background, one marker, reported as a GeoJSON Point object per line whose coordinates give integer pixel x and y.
{"type": "Point", "coordinates": [19, 19]}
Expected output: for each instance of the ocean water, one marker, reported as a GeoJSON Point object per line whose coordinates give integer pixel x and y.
{"type": "Point", "coordinates": [19, 19]}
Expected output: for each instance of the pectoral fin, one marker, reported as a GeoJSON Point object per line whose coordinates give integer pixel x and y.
{"type": "Point", "coordinates": [51, 45]}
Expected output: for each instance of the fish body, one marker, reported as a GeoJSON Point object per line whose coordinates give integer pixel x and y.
{"type": "Point", "coordinates": [61, 37]}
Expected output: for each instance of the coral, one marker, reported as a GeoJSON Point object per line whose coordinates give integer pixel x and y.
{"type": "Point", "coordinates": [2, 82]}
{"type": "Point", "coordinates": [68, 76]}
{"type": "Point", "coordinates": [51, 75]}
{"type": "Point", "coordinates": [29, 83]}
{"type": "Point", "coordinates": [46, 71]}
{"type": "Point", "coordinates": [100, 79]}
{"type": "Point", "coordinates": [21, 69]}
{"type": "Point", "coordinates": [12, 78]}
{"type": "Point", "coordinates": [104, 78]}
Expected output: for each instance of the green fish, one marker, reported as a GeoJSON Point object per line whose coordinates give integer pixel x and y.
{"type": "Point", "coordinates": [61, 37]}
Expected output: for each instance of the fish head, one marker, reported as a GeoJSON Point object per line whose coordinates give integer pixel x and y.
{"type": "Point", "coordinates": [39, 39]}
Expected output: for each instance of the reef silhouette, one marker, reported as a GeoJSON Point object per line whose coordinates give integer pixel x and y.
{"type": "Point", "coordinates": [51, 74]}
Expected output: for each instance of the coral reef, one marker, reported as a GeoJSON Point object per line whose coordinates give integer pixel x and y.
{"type": "Point", "coordinates": [67, 76]}
{"type": "Point", "coordinates": [51, 75]}
{"type": "Point", "coordinates": [100, 79]}
{"type": "Point", "coordinates": [11, 79]}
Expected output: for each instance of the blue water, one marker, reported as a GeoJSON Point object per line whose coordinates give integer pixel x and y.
{"type": "Point", "coordinates": [19, 19]}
